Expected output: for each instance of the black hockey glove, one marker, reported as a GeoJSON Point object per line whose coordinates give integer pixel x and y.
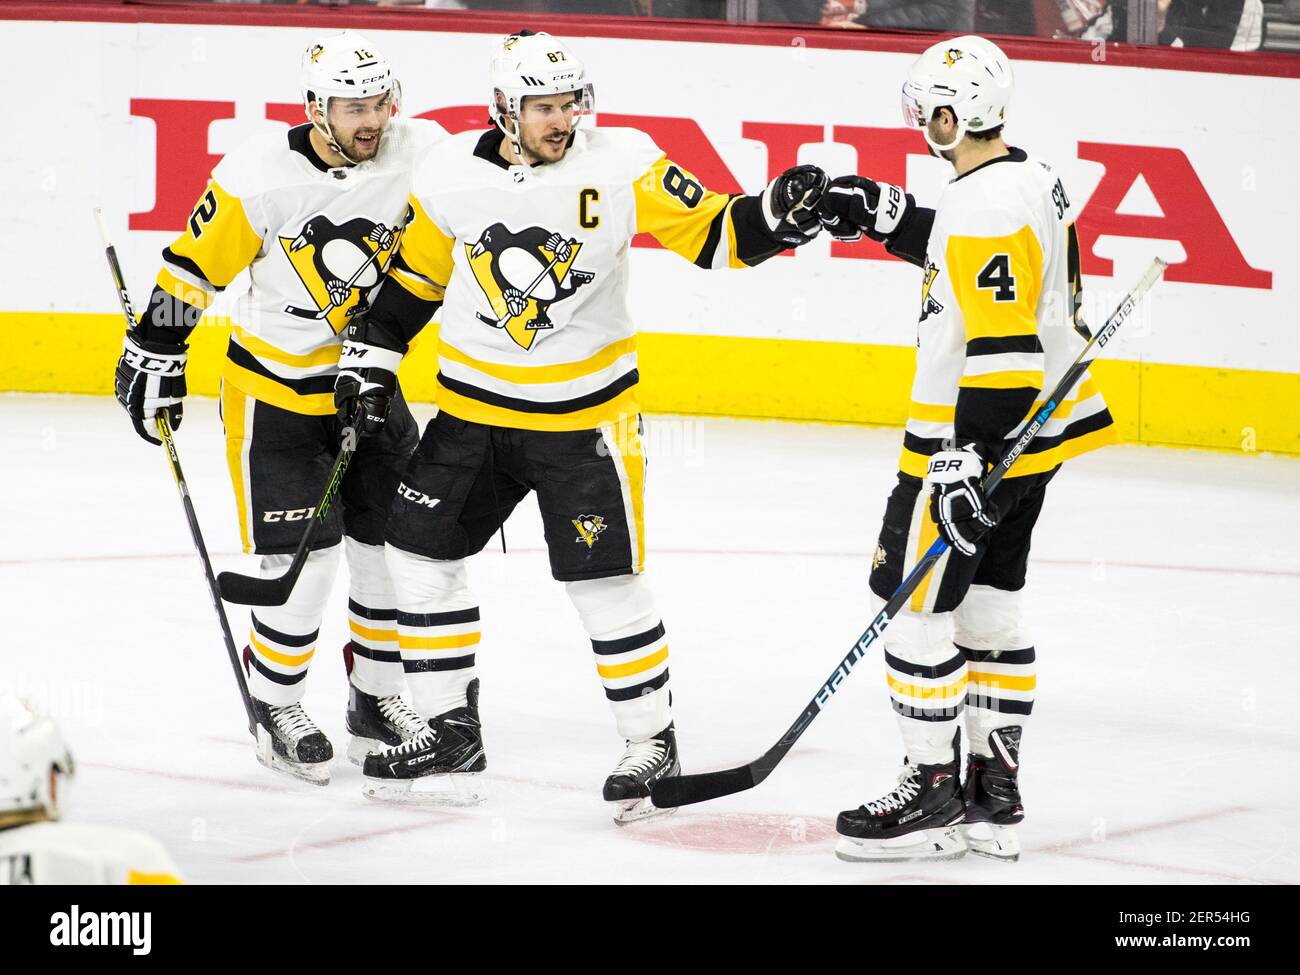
{"type": "Point", "coordinates": [957, 503]}
{"type": "Point", "coordinates": [367, 378]}
{"type": "Point", "coordinates": [789, 205]}
{"type": "Point", "coordinates": [150, 377]}
{"type": "Point", "coordinates": [854, 205]}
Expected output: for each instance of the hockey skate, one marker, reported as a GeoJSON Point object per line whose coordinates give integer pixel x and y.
{"type": "Point", "coordinates": [376, 723]}
{"type": "Point", "coordinates": [642, 765]}
{"type": "Point", "coordinates": [438, 766]}
{"type": "Point", "coordinates": [919, 820]}
{"type": "Point", "coordinates": [992, 797]}
{"type": "Point", "coordinates": [288, 741]}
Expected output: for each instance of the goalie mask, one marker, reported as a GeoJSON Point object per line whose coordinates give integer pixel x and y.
{"type": "Point", "coordinates": [968, 75]}
{"type": "Point", "coordinates": [344, 65]}
{"type": "Point", "coordinates": [535, 64]}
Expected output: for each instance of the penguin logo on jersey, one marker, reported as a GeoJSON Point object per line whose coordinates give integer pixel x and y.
{"type": "Point", "coordinates": [589, 528]}
{"type": "Point", "coordinates": [522, 275]}
{"type": "Point", "coordinates": [338, 264]}
{"type": "Point", "coordinates": [929, 306]}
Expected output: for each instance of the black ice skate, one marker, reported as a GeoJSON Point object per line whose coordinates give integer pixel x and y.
{"type": "Point", "coordinates": [288, 741]}
{"type": "Point", "coordinates": [376, 723]}
{"type": "Point", "coordinates": [917, 821]}
{"type": "Point", "coordinates": [438, 766]}
{"type": "Point", "coordinates": [643, 764]}
{"type": "Point", "coordinates": [992, 797]}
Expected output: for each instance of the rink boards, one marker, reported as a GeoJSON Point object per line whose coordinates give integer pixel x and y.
{"type": "Point", "coordinates": [1157, 161]}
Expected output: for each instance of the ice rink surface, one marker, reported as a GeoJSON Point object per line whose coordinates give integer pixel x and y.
{"type": "Point", "coordinates": [1163, 594]}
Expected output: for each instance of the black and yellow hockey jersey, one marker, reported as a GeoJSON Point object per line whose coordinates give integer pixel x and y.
{"type": "Point", "coordinates": [999, 299]}
{"type": "Point", "coordinates": [316, 241]}
{"type": "Point", "coordinates": [529, 265]}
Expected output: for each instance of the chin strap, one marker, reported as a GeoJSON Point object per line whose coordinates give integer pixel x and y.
{"type": "Point", "coordinates": [323, 127]}
{"type": "Point", "coordinates": [499, 121]}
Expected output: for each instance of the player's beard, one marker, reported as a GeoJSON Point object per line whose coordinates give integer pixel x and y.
{"type": "Point", "coordinates": [542, 150]}
{"type": "Point", "coordinates": [361, 151]}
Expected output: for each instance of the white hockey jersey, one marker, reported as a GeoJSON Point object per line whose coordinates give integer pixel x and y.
{"type": "Point", "coordinates": [316, 242]}
{"type": "Point", "coordinates": [998, 305]}
{"type": "Point", "coordinates": [530, 264]}
{"type": "Point", "coordinates": [75, 853]}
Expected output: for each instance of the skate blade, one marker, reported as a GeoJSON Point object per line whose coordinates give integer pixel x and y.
{"type": "Point", "coordinates": [318, 774]}
{"type": "Point", "coordinates": [636, 810]}
{"type": "Point", "coordinates": [361, 748]}
{"type": "Point", "coordinates": [929, 844]}
{"type": "Point", "coordinates": [994, 842]}
{"type": "Point", "coordinates": [448, 789]}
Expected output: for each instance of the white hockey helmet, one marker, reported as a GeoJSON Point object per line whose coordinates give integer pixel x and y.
{"type": "Point", "coordinates": [344, 65]}
{"type": "Point", "coordinates": [30, 749]}
{"type": "Point", "coordinates": [969, 75]}
{"type": "Point", "coordinates": [534, 64]}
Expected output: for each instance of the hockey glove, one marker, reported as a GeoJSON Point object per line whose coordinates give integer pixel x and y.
{"type": "Point", "coordinates": [150, 377]}
{"type": "Point", "coordinates": [957, 503]}
{"type": "Point", "coordinates": [855, 205]}
{"type": "Point", "coordinates": [789, 205]}
{"type": "Point", "coordinates": [367, 379]}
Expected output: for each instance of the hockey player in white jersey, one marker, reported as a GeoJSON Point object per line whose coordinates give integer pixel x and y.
{"type": "Point", "coordinates": [999, 297]}
{"type": "Point", "coordinates": [315, 216]}
{"type": "Point", "coordinates": [35, 848]}
{"type": "Point", "coordinates": [521, 236]}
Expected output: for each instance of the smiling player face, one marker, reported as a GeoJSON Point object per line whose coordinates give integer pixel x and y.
{"type": "Point", "coordinates": [358, 124]}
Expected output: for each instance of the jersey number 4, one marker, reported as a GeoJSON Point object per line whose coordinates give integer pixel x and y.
{"type": "Point", "coordinates": [997, 277]}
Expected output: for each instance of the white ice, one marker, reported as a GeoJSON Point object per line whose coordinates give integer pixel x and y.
{"type": "Point", "coordinates": [1164, 588]}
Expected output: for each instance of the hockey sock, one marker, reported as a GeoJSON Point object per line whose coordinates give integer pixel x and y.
{"type": "Point", "coordinates": [437, 629]}
{"type": "Point", "coordinates": [989, 632]}
{"type": "Point", "coordinates": [372, 618]}
{"type": "Point", "coordinates": [283, 638]}
{"type": "Point", "coordinates": [927, 682]}
{"type": "Point", "coordinates": [631, 651]}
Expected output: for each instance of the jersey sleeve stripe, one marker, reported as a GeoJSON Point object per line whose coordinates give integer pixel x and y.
{"type": "Point", "coordinates": [183, 290]}
{"type": "Point", "coordinates": [707, 257]}
{"type": "Point", "coordinates": [1007, 343]}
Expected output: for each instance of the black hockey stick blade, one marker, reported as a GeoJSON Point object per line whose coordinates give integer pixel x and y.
{"type": "Point", "coordinates": [684, 790]}
{"type": "Point", "coordinates": [256, 591]}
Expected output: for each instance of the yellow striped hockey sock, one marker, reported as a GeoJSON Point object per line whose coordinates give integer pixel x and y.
{"type": "Point", "coordinates": [438, 657]}
{"type": "Point", "coordinates": [376, 659]}
{"type": "Point", "coordinates": [634, 672]}
{"type": "Point", "coordinates": [928, 699]}
{"type": "Point", "coordinates": [1000, 692]}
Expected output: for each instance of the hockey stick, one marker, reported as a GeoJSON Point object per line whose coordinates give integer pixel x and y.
{"type": "Point", "coordinates": [165, 433]}
{"type": "Point", "coordinates": [256, 591]}
{"type": "Point", "coordinates": [683, 790]}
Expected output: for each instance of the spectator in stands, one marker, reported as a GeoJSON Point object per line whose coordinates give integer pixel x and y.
{"type": "Point", "coordinates": [955, 16]}
{"type": "Point", "coordinates": [1235, 24]}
